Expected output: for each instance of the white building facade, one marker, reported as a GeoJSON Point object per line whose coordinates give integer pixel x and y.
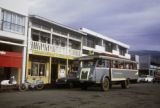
{"type": "Point", "coordinates": [51, 49]}
{"type": "Point", "coordinates": [13, 39]}
{"type": "Point", "coordinates": [97, 43]}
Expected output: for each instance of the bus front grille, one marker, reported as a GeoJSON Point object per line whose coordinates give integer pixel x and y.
{"type": "Point", "coordinates": [84, 75]}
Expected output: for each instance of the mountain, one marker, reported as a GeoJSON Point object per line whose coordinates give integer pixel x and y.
{"type": "Point", "coordinates": [145, 52]}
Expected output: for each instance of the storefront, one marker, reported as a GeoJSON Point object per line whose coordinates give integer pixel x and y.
{"type": "Point", "coordinates": [10, 65]}
{"type": "Point", "coordinates": [47, 68]}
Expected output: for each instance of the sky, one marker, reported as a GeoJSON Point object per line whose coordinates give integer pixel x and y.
{"type": "Point", "coordinates": [134, 22]}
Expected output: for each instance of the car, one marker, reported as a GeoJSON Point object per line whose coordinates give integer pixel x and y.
{"type": "Point", "coordinates": [70, 81]}
{"type": "Point", "coordinates": [145, 78]}
{"type": "Point", "coordinates": [157, 77]}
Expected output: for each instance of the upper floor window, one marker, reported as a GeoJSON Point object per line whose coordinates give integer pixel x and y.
{"type": "Point", "coordinates": [13, 22]}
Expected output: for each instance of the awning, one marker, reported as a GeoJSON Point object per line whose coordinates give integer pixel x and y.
{"type": "Point", "coordinates": [10, 59]}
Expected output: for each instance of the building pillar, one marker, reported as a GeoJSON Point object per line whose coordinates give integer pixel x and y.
{"type": "Point", "coordinates": [24, 51]}
{"type": "Point", "coordinates": [50, 70]}
{"type": "Point", "coordinates": [51, 36]}
{"type": "Point", "coordinates": [81, 49]}
{"type": "Point", "coordinates": [28, 49]}
{"type": "Point", "coordinates": [102, 42]}
{"type": "Point", "coordinates": [68, 44]}
{"type": "Point", "coordinates": [67, 67]}
{"type": "Point", "coordinates": [117, 48]}
{"type": "Point", "coordinates": [23, 64]}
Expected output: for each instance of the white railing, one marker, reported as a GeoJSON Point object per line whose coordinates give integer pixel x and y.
{"type": "Point", "coordinates": [115, 52]}
{"type": "Point", "coordinates": [58, 49]}
{"type": "Point", "coordinates": [34, 45]}
{"type": "Point", "coordinates": [74, 52]}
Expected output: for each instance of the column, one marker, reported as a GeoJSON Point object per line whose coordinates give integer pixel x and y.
{"type": "Point", "coordinates": [102, 42]}
{"type": "Point", "coordinates": [67, 67]}
{"type": "Point", "coordinates": [81, 50]}
{"type": "Point", "coordinates": [24, 51]}
{"type": "Point", "coordinates": [24, 64]}
{"type": "Point", "coordinates": [68, 44]}
{"type": "Point", "coordinates": [50, 69]}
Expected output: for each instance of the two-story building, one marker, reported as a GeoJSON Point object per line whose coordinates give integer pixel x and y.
{"type": "Point", "coordinates": [13, 36]}
{"type": "Point", "coordinates": [51, 49]}
{"type": "Point", "coordinates": [95, 42]}
{"type": "Point", "coordinates": [53, 46]}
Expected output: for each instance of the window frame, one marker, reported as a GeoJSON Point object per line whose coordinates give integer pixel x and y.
{"type": "Point", "coordinates": [11, 23]}
{"type": "Point", "coordinates": [39, 73]}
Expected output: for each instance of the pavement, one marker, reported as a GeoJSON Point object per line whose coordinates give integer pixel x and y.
{"type": "Point", "coordinates": [143, 95]}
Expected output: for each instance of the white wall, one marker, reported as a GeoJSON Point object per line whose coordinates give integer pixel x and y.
{"type": "Point", "coordinates": [18, 6]}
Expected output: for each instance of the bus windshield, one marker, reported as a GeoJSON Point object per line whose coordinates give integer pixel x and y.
{"type": "Point", "coordinates": [88, 63]}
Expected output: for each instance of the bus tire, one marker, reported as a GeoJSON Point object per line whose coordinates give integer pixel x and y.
{"type": "Point", "coordinates": [105, 84]}
{"type": "Point", "coordinates": [125, 84]}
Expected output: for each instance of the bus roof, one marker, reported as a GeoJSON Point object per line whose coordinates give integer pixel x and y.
{"type": "Point", "coordinates": [104, 57]}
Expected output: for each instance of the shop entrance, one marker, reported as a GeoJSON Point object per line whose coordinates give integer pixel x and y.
{"type": "Point", "coordinates": [5, 73]}
{"type": "Point", "coordinates": [54, 73]}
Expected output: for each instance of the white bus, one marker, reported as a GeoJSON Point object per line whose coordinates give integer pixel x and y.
{"type": "Point", "coordinates": [105, 71]}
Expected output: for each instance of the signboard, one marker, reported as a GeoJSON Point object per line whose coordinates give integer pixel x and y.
{"type": "Point", "coordinates": [51, 54]}
{"type": "Point", "coordinates": [10, 59]}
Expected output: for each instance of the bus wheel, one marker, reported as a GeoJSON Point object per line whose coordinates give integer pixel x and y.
{"type": "Point", "coordinates": [125, 84]}
{"type": "Point", "coordinates": [105, 84]}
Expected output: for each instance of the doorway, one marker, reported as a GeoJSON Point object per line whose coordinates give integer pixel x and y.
{"type": "Point", "coordinates": [54, 73]}
{"type": "Point", "coordinates": [5, 73]}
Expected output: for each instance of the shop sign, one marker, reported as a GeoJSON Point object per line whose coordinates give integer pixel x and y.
{"type": "Point", "coordinates": [51, 54]}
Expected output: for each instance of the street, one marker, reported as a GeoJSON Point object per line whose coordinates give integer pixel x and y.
{"type": "Point", "coordinates": [142, 95]}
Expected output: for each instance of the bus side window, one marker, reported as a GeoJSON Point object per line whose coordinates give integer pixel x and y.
{"type": "Point", "coordinates": [114, 64]}
{"type": "Point", "coordinates": [127, 66]}
{"type": "Point", "coordinates": [121, 65]}
{"type": "Point", "coordinates": [134, 66]}
{"type": "Point", "coordinates": [101, 63]}
{"type": "Point", "coordinates": [107, 62]}
{"type": "Point", "coordinates": [130, 66]}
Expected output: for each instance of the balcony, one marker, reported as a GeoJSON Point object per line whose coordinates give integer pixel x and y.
{"type": "Point", "coordinates": [39, 46]}
{"type": "Point", "coordinates": [115, 52]}
{"type": "Point", "coordinates": [128, 56]}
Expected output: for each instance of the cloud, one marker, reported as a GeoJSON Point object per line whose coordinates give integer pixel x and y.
{"type": "Point", "coordinates": [135, 22]}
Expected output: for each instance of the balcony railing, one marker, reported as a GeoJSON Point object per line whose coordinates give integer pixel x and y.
{"type": "Point", "coordinates": [34, 45]}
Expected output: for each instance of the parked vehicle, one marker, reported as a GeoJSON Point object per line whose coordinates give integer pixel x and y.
{"type": "Point", "coordinates": [9, 84]}
{"type": "Point", "coordinates": [70, 81]}
{"type": "Point", "coordinates": [106, 71]}
{"type": "Point", "coordinates": [145, 78]}
{"type": "Point", "coordinates": [35, 84]}
{"type": "Point", "coordinates": [156, 76]}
